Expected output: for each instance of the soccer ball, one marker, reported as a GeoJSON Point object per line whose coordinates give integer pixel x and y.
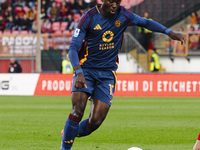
{"type": "Point", "coordinates": [134, 148]}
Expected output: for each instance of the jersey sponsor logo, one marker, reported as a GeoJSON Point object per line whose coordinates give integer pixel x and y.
{"type": "Point", "coordinates": [106, 46]}
{"type": "Point", "coordinates": [98, 27]}
{"type": "Point", "coordinates": [107, 36]}
{"type": "Point", "coordinates": [76, 32]}
{"type": "Point", "coordinates": [117, 23]}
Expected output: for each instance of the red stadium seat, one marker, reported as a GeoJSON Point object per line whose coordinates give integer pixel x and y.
{"type": "Point", "coordinates": [58, 3]}
{"type": "Point", "coordinates": [99, 2]}
{"type": "Point", "coordinates": [16, 8]}
{"type": "Point", "coordinates": [76, 17]}
{"type": "Point", "coordinates": [15, 32]}
{"type": "Point", "coordinates": [63, 25]}
{"type": "Point", "coordinates": [24, 32]}
{"type": "Point", "coordinates": [66, 32]}
{"type": "Point", "coordinates": [26, 9]}
{"type": "Point", "coordinates": [7, 32]}
{"type": "Point", "coordinates": [56, 26]}
{"type": "Point", "coordinates": [126, 4]}
{"type": "Point", "coordinates": [58, 31]}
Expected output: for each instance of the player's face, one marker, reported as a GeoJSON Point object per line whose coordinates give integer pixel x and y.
{"type": "Point", "coordinates": [109, 7]}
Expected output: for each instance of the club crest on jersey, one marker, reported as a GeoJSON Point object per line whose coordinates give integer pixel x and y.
{"type": "Point", "coordinates": [107, 36]}
{"type": "Point", "coordinates": [117, 23]}
{"type": "Point", "coordinates": [76, 32]}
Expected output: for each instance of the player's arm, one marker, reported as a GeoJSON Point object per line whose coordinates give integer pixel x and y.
{"type": "Point", "coordinates": [157, 27]}
{"type": "Point", "coordinates": [197, 144]}
{"type": "Point", "coordinates": [76, 42]}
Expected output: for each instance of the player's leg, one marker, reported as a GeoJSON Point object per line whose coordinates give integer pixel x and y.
{"type": "Point", "coordinates": [98, 113]}
{"type": "Point", "coordinates": [79, 101]}
{"type": "Point", "coordinates": [100, 102]}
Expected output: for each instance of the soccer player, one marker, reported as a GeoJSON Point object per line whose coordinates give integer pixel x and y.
{"type": "Point", "coordinates": [197, 144]}
{"type": "Point", "coordinates": [93, 54]}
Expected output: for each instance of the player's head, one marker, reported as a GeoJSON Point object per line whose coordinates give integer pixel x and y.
{"type": "Point", "coordinates": [154, 50]}
{"type": "Point", "coordinates": [12, 60]}
{"type": "Point", "coordinates": [146, 14]}
{"type": "Point", "coordinates": [109, 7]}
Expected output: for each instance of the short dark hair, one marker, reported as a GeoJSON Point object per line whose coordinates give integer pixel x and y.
{"type": "Point", "coordinates": [154, 49]}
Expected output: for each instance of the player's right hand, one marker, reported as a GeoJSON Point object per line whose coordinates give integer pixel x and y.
{"type": "Point", "coordinates": [80, 81]}
{"type": "Point", "coordinates": [178, 36]}
{"type": "Point", "coordinates": [197, 145]}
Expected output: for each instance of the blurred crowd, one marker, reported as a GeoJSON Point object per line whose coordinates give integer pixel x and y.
{"type": "Point", "coordinates": [20, 16]}
{"type": "Point", "coordinates": [56, 15]}
{"type": "Point", "coordinates": [194, 23]}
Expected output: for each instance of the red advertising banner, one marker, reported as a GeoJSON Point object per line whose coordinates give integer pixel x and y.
{"type": "Point", "coordinates": [139, 85]}
{"type": "Point", "coordinates": [54, 84]}
{"type": "Point", "coordinates": [161, 85]}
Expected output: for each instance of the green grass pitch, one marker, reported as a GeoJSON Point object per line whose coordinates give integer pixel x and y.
{"type": "Point", "coordinates": [35, 122]}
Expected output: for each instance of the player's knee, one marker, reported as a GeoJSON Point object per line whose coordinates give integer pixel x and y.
{"type": "Point", "coordinates": [79, 101]}
{"type": "Point", "coordinates": [95, 122]}
{"type": "Point", "coordinates": [77, 113]}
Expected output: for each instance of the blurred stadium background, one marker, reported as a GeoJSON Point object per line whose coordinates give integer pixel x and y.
{"type": "Point", "coordinates": [152, 116]}
{"type": "Point", "coordinates": [18, 34]}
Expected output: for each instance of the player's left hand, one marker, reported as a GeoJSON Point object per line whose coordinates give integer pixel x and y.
{"type": "Point", "coordinates": [197, 145]}
{"type": "Point", "coordinates": [178, 36]}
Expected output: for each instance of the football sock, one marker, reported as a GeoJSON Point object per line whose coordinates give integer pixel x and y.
{"type": "Point", "coordinates": [70, 131]}
{"type": "Point", "coordinates": [84, 128]}
{"type": "Point", "coordinates": [198, 137]}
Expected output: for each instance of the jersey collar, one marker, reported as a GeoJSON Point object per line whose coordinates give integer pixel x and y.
{"type": "Point", "coordinates": [97, 8]}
